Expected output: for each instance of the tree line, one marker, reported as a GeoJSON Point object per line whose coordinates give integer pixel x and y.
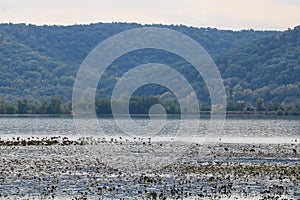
{"type": "Point", "coordinates": [141, 105]}
{"type": "Point", "coordinates": [261, 106]}
{"type": "Point", "coordinates": [23, 106]}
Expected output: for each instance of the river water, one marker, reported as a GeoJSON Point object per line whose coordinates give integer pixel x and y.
{"type": "Point", "coordinates": [249, 158]}
{"type": "Point", "coordinates": [235, 129]}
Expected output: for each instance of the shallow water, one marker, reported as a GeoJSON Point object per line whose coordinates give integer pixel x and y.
{"type": "Point", "coordinates": [235, 130]}
{"type": "Point", "coordinates": [40, 172]}
{"type": "Point", "coordinates": [245, 152]}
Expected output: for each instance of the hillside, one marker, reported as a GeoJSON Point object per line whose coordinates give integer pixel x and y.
{"type": "Point", "coordinates": [39, 62]}
{"type": "Point", "coordinates": [268, 68]}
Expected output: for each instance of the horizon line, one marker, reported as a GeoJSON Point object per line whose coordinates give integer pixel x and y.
{"type": "Point", "coordinates": [146, 24]}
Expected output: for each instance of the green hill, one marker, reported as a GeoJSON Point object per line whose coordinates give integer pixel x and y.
{"type": "Point", "coordinates": [39, 62]}
{"type": "Point", "coordinates": [268, 68]}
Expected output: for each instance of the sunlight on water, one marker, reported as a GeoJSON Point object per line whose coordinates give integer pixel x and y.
{"type": "Point", "coordinates": [235, 129]}
{"type": "Point", "coordinates": [123, 165]}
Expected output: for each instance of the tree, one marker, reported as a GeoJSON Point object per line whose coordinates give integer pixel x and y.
{"type": "Point", "coordinates": [270, 106]}
{"type": "Point", "coordinates": [240, 105]}
{"type": "Point", "coordinates": [43, 107]}
{"type": "Point", "coordinates": [55, 106]}
{"type": "Point", "coordinates": [2, 106]}
{"type": "Point", "coordinates": [23, 106]}
{"type": "Point", "coordinates": [259, 104]}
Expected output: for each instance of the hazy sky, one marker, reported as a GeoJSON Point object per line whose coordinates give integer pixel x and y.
{"type": "Point", "coordinates": [223, 14]}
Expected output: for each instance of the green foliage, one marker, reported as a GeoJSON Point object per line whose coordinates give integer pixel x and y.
{"type": "Point", "coordinates": [40, 62]}
{"type": "Point", "coordinates": [267, 68]}
{"type": "Point", "coordinates": [23, 106]}
{"type": "Point", "coordinates": [140, 105]}
{"type": "Point", "coordinates": [259, 104]}
{"type": "Point", "coordinates": [137, 105]}
{"type": "Point", "coordinates": [53, 106]}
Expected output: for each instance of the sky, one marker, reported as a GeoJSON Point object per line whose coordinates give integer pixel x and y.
{"type": "Point", "coordinates": [221, 14]}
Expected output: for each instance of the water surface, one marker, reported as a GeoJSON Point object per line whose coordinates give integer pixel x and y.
{"type": "Point", "coordinates": [236, 129]}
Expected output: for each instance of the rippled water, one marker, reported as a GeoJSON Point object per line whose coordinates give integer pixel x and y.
{"type": "Point", "coordinates": [239, 129]}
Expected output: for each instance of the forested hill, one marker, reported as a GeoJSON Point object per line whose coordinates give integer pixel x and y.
{"type": "Point", "coordinates": [268, 68]}
{"type": "Point", "coordinates": [39, 62]}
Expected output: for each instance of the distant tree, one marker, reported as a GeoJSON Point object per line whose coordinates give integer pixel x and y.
{"type": "Point", "coordinates": [240, 105]}
{"type": "Point", "coordinates": [270, 106]}
{"type": "Point", "coordinates": [259, 104]}
{"type": "Point", "coordinates": [103, 106]}
{"type": "Point", "coordinates": [2, 106]}
{"type": "Point", "coordinates": [23, 106]}
{"type": "Point", "coordinates": [55, 106]}
{"type": "Point", "coordinates": [231, 106]}
{"type": "Point", "coordinates": [43, 107]}
{"type": "Point", "coordinates": [67, 108]}
{"type": "Point", "coordinates": [10, 108]}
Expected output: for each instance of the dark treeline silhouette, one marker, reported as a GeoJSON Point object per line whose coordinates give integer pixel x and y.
{"type": "Point", "coordinates": [141, 105]}
{"type": "Point", "coordinates": [53, 106]}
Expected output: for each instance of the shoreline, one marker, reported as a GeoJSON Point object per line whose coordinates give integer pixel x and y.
{"type": "Point", "coordinates": [202, 113]}
{"type": "Point", "coordinates": [42, 140]}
